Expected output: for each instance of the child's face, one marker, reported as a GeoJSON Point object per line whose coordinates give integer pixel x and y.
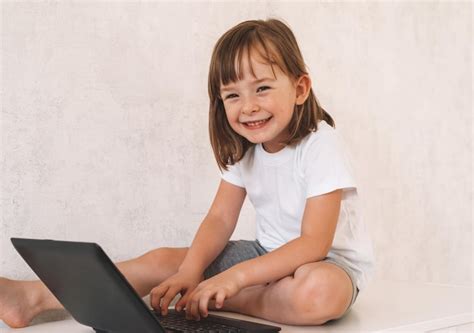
{"type": "Point", "coordinates": [261, 111]}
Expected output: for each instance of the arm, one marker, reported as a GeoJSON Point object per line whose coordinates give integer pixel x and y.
{"type": "Point", "coordinates": [211, 238]}
{"type": "Point", "coordinates": [218, 226]}
{"type": "Point", "coordinates": [317, 234]}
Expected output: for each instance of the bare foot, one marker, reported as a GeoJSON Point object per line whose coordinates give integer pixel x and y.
{"type": "Point", "coordinates": [19, 301]}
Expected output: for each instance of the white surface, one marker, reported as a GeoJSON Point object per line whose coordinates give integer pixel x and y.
{"type": "Point", "coordinates": [455, 329]}
{"type": "Point", "coordinates": [386, 306]}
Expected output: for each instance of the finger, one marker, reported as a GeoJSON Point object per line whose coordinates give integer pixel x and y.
{"type": "Point", "coordinates": [203, 302]}
{"type": "Point", "coordinates": [220, 299]}
{"type": "Point", "coordinates": [188, 307]}
{"type": "Point", "coordinates": [156, 294]}
{"type": "Point", "coordinates": [151, 298]}
{"type": "Point", "coordinates": [181, 303]}
{"type": "Point", "coordinates": [167, 298]}
{"type": "Point", "coordinates": [188, 304]}
{"type": "Point", "coordinates": [193, 312]}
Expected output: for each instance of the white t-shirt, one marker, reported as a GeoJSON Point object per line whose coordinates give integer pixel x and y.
{"type": "Point", "coordinates": [278, 185]}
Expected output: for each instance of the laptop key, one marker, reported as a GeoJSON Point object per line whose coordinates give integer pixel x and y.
{"type": "Point", "coordinates": [177, 322]}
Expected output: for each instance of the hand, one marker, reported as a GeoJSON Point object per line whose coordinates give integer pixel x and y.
{"type": "Point", "coordinates": [183, 282]}
{"type": "Point", "coordinates": [219, 287]}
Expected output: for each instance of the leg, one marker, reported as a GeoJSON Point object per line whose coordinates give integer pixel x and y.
{"type": "Point", "coordinates": [315, 294]}
{"type": "Point", "coordinates": [21, 301]}
{"type": "Point", "coordinates": [146, 272]}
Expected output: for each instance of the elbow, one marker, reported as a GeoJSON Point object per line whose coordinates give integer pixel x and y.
{"type": "Point", "coordinates": [316, 249]}
{"type": "Point", "coordinates": [321, 255]}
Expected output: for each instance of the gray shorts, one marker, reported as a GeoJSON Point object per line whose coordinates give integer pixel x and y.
{"type": "Point", "coordinates": [241, 250]}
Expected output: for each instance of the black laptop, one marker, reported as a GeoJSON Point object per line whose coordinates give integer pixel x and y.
{"type": "Point", "coordinates": [96, 294]}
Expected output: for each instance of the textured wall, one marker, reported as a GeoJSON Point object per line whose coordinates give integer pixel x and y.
{"type": "Point", "coordinates": [104, 123]}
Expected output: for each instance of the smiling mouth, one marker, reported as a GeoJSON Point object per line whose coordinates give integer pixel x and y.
{"type": "Point", "coordinates": [256, 124]}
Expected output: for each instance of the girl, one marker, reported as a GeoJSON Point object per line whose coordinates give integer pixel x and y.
{"type": "Point", "coordinates": [273, 142]}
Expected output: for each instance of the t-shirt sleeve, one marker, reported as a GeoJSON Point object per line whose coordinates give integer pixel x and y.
{"type": "Point", "coordinates": [233, 175]}
{"type": "Point", "coordinates": [326, 165]}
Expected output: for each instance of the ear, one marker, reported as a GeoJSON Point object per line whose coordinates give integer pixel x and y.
{"type": "Point", "coordinates": [303, 87]}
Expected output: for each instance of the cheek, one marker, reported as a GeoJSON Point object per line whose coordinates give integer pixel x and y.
{"type": "Point", "coordinates": [232, 119]}
{"type": "Point", "coordinates": [229, 115]}
{"type": "Point", "coordinates": [283, 107]}
{"type": "Point", "coordinates": [232, 113]}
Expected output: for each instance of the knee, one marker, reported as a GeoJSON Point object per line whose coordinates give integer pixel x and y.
{"type": "Point", "coordinates": [158, 254]}
{"type": "Point", "coordinates": [314, 299]}
{"type": "Point", "coordinates": [166, 260]}
{"type": "Point", "coordinates": [161, 260]}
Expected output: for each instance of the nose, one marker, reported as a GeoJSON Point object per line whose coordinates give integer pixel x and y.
{"type": "Point", "coordinates": [250, 105]}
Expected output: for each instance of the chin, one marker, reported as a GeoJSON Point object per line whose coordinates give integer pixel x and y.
{"type": "Point", "coordinates": [254, 139]}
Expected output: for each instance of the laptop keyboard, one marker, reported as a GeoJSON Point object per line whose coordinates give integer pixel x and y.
{"type": "Point", "coordinates": [177, 322]}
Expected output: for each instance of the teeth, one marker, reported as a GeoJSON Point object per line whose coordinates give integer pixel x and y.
{"type": "Point", "coordinates": [256, 123]}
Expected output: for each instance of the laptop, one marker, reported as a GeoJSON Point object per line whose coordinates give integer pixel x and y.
{"type": "Point", "coordinates": [96, 294]}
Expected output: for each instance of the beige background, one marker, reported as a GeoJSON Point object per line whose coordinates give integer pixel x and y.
{"type": "Point", "coordinates": [104, 123]}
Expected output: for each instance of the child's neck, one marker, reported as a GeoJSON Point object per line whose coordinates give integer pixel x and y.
{"type": "Point", "coordinates": [273, 150]}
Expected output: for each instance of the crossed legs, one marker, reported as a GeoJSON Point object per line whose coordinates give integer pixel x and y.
{"type": "Point", "coordinates": [317, 292]}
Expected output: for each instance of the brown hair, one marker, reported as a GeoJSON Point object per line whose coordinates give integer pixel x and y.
{"type": "Point", "coordinates": [279, 45]}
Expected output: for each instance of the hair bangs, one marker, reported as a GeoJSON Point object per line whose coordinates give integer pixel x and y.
{"type": "Point", "coordinates": [231, 69]}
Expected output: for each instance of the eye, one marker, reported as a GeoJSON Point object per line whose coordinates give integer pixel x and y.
{"type": "Point", "coordinates": [262, 88]}
{"type": "Point", "coordinates": [230, 96]}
